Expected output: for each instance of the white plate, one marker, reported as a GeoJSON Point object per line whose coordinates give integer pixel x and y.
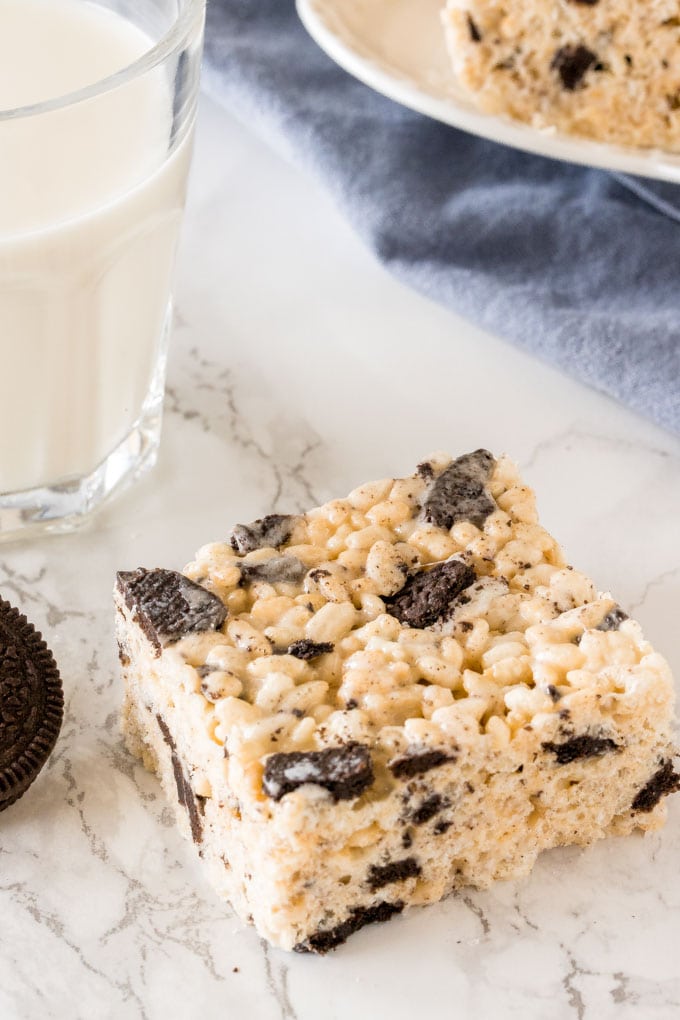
{"type": "Point", "coordinates": [397, 47]}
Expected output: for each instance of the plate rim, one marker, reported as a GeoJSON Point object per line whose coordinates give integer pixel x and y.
{"type": "Point", "coordinates": [657, 164]}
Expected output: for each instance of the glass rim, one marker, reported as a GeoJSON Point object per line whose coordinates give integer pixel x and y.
{"type": "Point", "coordinates": [178, 32]}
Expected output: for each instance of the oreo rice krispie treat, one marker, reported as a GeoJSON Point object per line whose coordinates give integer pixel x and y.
{"type": "Point", "coordinates": [396, 694]}
{"type": "Point", "coordinates": [600, 68]}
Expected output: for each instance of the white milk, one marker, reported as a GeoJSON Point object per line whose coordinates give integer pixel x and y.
{"type": "Point", "coordinates": [89, 216]}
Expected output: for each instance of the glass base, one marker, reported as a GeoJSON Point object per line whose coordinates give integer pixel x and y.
{"type": "Point", "coordinates": [66, 505]}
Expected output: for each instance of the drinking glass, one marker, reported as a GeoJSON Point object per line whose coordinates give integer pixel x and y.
{"type": "Point", "coordinates": [92, 191]}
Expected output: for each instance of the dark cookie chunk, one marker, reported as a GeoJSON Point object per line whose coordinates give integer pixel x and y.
{"type": "Point", "coordinates": [414, 763]}
{"type": "Point", "coordinates": [168, 606]}
{"type": "Point", "coordinates": [555, 695]}
{"type": "Point", "coordinates": [584, 746]}
{"type": "Point", "coordinates": [310, 649]}
{"type": "Point", "coordinates": [428, 809]}
{"type": "Point", "coordinates": [475, 34]}
{"type": "Point", "coordinates": [318, 573]}
{"type": "Point", "coordinates": [279, 568]}
{"type": "Point", "coordinates": [31, 704]}
{"type": "Point", "coordinates": [395, 871]}
{"type": "Point", "coordinates": [442, 826]}
{"type": "Point", "coordinates": [665, 780]}
{"type": "Point", "coordinates": [344, 771]}
{"type": "Point", "coordinates": [571, 63]}
{"type": "Point", "coordinates": [459, 494]}
{"type": "Point", "coordinates": [273, 531]}
{"type": "Point", "coordinates": [425, 471]}
{"type": "Point", "coordinates": [613, 619]}
{"type": "Point", "coordinates": [185, 794]}
{"type": "Point", "coordinates": [323, 941]}
{"type": "Point", "coordinates": [429, 596]}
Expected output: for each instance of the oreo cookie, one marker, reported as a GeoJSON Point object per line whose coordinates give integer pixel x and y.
{"type": "Point", "coordinates": [415, 763]}
{"type": "Point", "coordinates": [344, 771]}
{"type": "Point", "coordinates": [278, 569]}
{"type": "Point", "coordinates": [185, 794]}
{"type": "Point", "coordinates": [380, 875]}
{"type": "Point", "coordinates": [273, 531]}
{"type": "Point", "coordinates": [583, 746]}
{"type": "Point", "coordinates": [323, 941]}
{"type": "Point", "coordinates": [613, 620]}
{"type": "Point", "coordinates": [430, 596]}
{"type": "Point", "coordinates": [308, 650]}
{"type": "Point", "coordinates": [664, 781]}
{"type": "Point", "coordinates": [571, 64]}
{"type": "Point", "coordinates": [460, 494]}
{"type": "Point", "coordinates": [31, 704]}
{"type": "Point", "coordinates": [168, 606]}
{"type": "Point", "coordinates": [430, 807]}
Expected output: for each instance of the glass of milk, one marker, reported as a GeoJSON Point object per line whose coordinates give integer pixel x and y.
{"type": "Point", "coordinates": [97, 106]}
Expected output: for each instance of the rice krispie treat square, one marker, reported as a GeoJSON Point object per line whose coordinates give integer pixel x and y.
{"type": "Point", "coordinates": [600, 68]}
{"type": "Point", "coordinates": [399, 693]}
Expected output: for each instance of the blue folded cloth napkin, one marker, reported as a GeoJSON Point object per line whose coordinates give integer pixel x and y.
{"type": "Point", "coordinates": [578, 266]}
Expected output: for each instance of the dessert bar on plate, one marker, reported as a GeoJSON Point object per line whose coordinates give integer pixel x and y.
{"type": "Point", "coordinates": [605, 69]}
{"type": "Point", "coordinates": [399, 693]}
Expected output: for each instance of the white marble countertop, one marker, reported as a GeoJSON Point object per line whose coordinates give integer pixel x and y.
{"type": "Point", "coordinates": [299, 369]}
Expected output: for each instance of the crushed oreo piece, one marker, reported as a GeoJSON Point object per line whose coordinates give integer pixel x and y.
{"type": "Point", "coordinates": [380, 875]}
{"type": "Point", "coordinates": [428, 809]}
{"type": "Point", "coordinates": [475, 34]}
{"type": "Point", "coordinates": [459, 494]}
{"type": "Point", "coordinates": [318, 573]}
{"type": "Point", "coordinates": [613, 619]}
{"type": "Point", "coordinates": [664, 781]}
{"type": "Point", "coordinates": [273, 531]}
{"type": "Point", "coordinates": [185, 794]}
{"type": "Point", "coordinates": [430, 595]}
{"type": "Point", "coordinates": [585, 746]}
{"type": "Point", "coordinates": [415, 763]}
{"type": "Point", "coordinates": [571, 63]}
{"type": "Point", "coordinates": [323, 941]}
{"type": "Point", "coordinates": [273, 571]}
{"type": "Point", "coordinates": [425, 470]}
{"type": "Point", "coordinates": [555, 695]}
{"type": "Point", "coordinates": [168, 606]}
{"type": "Point", "coordinates": [442, 826]}
{"type": "Point", "coordinates": [310, 649]}
{"type": "Point", "coordinates": [344, 771]}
